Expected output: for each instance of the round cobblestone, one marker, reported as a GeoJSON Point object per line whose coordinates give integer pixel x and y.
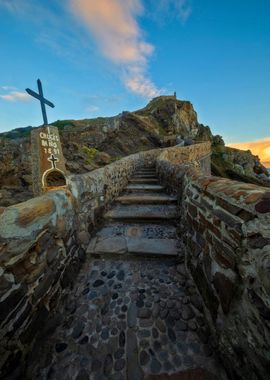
{"type": "Point", "coordinates": [119, 364]}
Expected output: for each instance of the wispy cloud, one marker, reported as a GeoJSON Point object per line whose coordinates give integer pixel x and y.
{"type": "Point", "coordinates": [53, 27]}
{"type": "Point", "coordinates": [92, 109]}
{"type": "Point", "coordinates": [169, 9]}
{"type": "Point", "coordinates": [119, 37]}
{"type": "Point", "coordinates": [16, 96]}
{"type": "Point", "coordinates": [15, 6]}
{"type": "Point", "coordinates": [114, 25]}
{"type": "Point", "coordinates": [260, 148]}
{"type": "Point", "coordinates": [8, 88]}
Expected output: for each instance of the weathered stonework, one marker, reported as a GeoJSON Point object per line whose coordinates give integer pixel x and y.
{"type": "Point", "coordinates": [48, 163]}
{"type": "Point", "coordinates": [224, 225]}
{"type": "Point", "coordinates": [42, 244]}
{"type": "Point", "coordinates": [36, 251]}
{"type": "Point", "coordinates": [225, 228]}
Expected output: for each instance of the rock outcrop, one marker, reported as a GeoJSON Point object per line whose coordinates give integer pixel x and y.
{"type": "Point", "coordinates": [92, 143]}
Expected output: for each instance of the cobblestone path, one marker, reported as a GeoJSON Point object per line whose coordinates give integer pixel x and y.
{"type": "Point", "coordinates": [134, 313]}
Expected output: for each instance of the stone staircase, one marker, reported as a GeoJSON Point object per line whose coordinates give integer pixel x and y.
{"type": "Point", "coordinates": [134, 313]}
{"type": "Point", "coordinates": [142, 221]}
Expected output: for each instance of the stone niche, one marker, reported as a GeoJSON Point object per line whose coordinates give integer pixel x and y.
{"type": "Point", "coordinates": [54, 178]}
{"type": "Point", "coordinates": [48, 163]}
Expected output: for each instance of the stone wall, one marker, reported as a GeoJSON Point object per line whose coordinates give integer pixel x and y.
{"type": "Point", "coordinates": [225, 228]}
{"type": "Point", "coordinates": [39, 253]}
{"type": "Point", "coordinates": [224, 225]}
{"type": "Point", "coordinates": [42, 245]}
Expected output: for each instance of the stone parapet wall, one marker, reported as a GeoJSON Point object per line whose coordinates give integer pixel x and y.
{"type": "Point", "coordinates": [227, 235]}
{"type": "Point", "coordinates": [39, 253]}
{"type": "Point", "coordinates": [225, 226]}
{"type": "Point", "coordinates": [192, 153]}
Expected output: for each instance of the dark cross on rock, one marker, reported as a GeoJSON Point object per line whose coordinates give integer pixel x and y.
{"type": "Point", "coordinates": [42, 100]}
{"type": "Point", "coordinates": [53, 160]}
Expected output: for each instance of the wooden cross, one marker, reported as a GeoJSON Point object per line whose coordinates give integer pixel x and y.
{"type": "Point", "coordinates": [42, 100]}
{"type": "Point", "coordinates": [53, 160]}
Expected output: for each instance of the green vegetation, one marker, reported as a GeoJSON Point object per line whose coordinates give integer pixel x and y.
{"type": "Point", "coordinates": [17, 133]}
{"type": "Point", "coordinates": [61, 124]}
{"type": "Point", "coordinates": [90, 153]}
{"type": "Point", "coordinates": [116, 158]}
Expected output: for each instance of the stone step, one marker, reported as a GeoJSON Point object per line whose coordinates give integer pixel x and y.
{"type": "Point", "coordinates": [141, 175]}
{"type": "Point", "coordinates": [146, 199]}
{"type": "Point", "coordinates": [144, 180]}
{"type": "Point", "coordinates": [152, 247]}
{"type": "Point", "coordinates": [148, 171]}
{"type": "Point", "coordinates": [188, 374]}
{"type": "Point", "coordinates": [142, 213]}
{"type": "Point", "coordinates": [144, 187]}
{"type": "Point", "coordinates": [145, 171]}
{"type": "Point", "coordinates": [145, 175]}
{"type": "Point", "coordinates": [135, 246]}
{"type": "Point", "coordinates": [138, 230]}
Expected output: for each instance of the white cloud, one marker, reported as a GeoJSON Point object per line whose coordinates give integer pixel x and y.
{"type": "Point", "coordinates": [118, 35]}
{"type": "Point", "coordinates": [16, 96]}
{"type": "Point", "coordinates": [92, 109]}
{"type": "Point", "coordinates": [8, 88]}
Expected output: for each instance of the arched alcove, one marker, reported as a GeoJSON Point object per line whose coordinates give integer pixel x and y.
{"type": "Point", "coordinates": [54, 179]}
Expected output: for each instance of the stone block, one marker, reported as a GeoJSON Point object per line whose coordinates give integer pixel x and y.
{"type": "Point", "coordinates": [45, 284]}
{"type": "Point", "coordinates": [257, 241]}
{"type": "Point", "coordinates": [228, 219]}
{"type": "Point", "coordinates": [223, 254]}
{"type": "Point", "coordinates": [260, 304]}
{"type": "Point", "coordinates": [225, 288]}
{"type": "Point", "coordinates": [34, 327]}
{"type": "Point", "coordinates": [52, 255]}
{"type": "Point", "coordinates": [207, 292]}
{"type": "Point", "coordinates": [10, 303]}
{"type": "Point", "coordinates": [263, 206]}
{"type": "Point", "coordinates": [27, 215]}
{"type": "Point", "coordinates": [6, 281]}
{"type": "Point", "coordinates": [207, 225]}
{"type": "Point", "coordinates": [70, 273]}
{"type": "Point", "coordinates": [192, 210]}
{"type": "Point", "coordinates": [20, 317]}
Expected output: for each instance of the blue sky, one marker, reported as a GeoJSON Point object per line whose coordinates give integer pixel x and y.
{"type": "Point", "coordinates": [98, 58]}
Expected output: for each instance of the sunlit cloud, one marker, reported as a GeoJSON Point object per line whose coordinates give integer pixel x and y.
{"type": "Point", "coordinates": [16, 96]}
{"type": "Point", "coordinates": [119, 37]}
{"type": "Point", "coordinates": [259, 148]}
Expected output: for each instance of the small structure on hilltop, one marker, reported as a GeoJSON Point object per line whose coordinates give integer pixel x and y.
{"type": "Point", "coordinates": [48, 163]}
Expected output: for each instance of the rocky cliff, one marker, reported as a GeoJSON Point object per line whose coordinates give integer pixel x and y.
{"type": "Point", "coordinates": [91, 143]}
